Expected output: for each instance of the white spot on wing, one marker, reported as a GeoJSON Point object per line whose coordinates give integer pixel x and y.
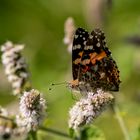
{"type": "Point", "coordinates": [84, 42]}
{"type": "Point", "coordinates": [90, 36]}
{"type": "Point", "coordinates": [88, 47]}
{"type": "Point", "coordinates": [76, 36]}
{"type": "Point", "coordinates": [98, 44]}
{"type": "Point", "coordinates": [76, 47]}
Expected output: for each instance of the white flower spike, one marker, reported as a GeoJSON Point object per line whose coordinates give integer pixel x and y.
{"type": "Point", "coordinates": [32, 109]}
{"type": "Point", "coordinates": [15, 66]}
{"type": "Point", "coordinates": [89, 108]}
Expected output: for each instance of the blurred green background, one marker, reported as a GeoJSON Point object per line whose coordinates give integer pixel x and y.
{"type": "Point", "coordinates": [39, 24]}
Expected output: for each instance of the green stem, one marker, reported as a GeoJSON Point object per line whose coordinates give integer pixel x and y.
{"type": "Point", "coordinates": [33, 135]}
{"type": "Point", "coordinates": [55, 132]}
{"type": "Point", "coordinates": [6, 118]}
{"type": "Point", "coordinates": [121, 122]}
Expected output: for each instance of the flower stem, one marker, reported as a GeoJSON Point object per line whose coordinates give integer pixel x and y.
{"type": "Point", "coordinates": [55, 132]}
{"type": "Point", "coordinates": [6, 118]}
{"type": "Point", "coordinates": [121, 122]}
{"type": "Point", "coordinates": [33, 135]}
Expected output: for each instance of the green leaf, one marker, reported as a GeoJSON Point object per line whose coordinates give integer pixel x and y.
{"type": "Point", "coordinates": [92, 132]}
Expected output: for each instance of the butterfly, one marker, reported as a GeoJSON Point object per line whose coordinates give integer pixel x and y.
{"type": "Point", "coordinates": [92, 64]}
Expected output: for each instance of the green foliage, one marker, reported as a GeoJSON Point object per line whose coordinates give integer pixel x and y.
{"type": "Point", "coordinates": [71, 132]}
{"type": "Point", "coordinates": [92, 133]}
{"type": "Point", "coordinates": [135, 135]}
{"type": "Point", "coordinates": [32, 136]}
{"type": "Point", "coordinates": [87, 133]}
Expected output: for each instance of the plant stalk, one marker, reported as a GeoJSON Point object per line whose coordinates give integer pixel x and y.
{"type": "Point", "coordinates": [121, 122]}
{"type": "Point", "coordinates": [55, 132]}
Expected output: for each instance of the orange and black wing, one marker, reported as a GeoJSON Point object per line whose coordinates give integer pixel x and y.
{"type": "Point", "coordinates": [97, 67]}
{"type": "Point", "coordinates": [79, 42]}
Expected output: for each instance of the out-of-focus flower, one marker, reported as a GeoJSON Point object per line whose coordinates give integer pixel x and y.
{"type": "Point", "coordinates": [89, 108]}
{"type": "Point", "coordinates": [32, 109]}
{"type": "Point", "coordinates": [9, 127]}
{"type": "Point", "coordinates": [6, 125]}
{"type": "Point", "coordinates": [3, 112]}
{"type": "Point", "coordinates": [15, 66]}
{"type": "Point", "coordinates": [69, 29]}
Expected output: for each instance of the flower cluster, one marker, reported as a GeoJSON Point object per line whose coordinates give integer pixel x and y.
{"type": "Point", "coordinates": [9, 126]}
{"type": "Point", "coordinates": [32, 108]}
{"type": "Point", "coordinates": [32, 111]}
{"type": "Point", "coordinates": [32, 105]}
{"type": "Point", "coordinates": [89, 108]}
{"type": "Point", "coordinates": [15, 66]}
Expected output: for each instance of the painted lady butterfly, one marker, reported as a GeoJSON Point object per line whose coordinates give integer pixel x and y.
{"type": "Point", "coordinates": [92, 64]}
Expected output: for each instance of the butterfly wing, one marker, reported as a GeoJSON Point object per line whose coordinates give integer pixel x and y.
{"type": "Point", "coordinates": [110, 75]}
{"type": "Point", "coordinates": [97, 67]}
{"type": "Point", "coordinates": [79, 42]}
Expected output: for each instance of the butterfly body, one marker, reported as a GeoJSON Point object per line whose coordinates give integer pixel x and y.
{"type": "Point", "coordinates": [92, 64]}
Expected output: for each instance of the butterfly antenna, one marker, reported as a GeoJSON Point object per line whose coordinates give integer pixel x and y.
{"type": "Point", "coordinates": [56, 84]}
